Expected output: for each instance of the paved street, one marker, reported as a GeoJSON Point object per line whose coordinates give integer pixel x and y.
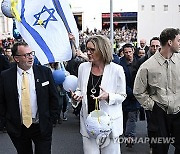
{"type": "Point", "coordinates": [67, 140]}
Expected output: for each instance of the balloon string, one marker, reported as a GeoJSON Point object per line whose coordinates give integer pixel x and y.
{"type": "Point", "coordinates": [62, 66]}
{"type": "Point", "coordinates": [96, 109]}
{"type": "Point", "coordinates": [14, 11]}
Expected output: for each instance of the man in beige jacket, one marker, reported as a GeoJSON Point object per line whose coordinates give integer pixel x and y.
{"type": "Point", "coordinates": [157, 88]}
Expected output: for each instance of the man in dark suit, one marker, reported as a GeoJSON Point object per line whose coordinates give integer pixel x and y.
{"type": "Point", "coordinates": [43, 102]}
{"type": "Point", "coordinates": [130, 105]}
{"type": "Point", "coordinates": [4, 64]}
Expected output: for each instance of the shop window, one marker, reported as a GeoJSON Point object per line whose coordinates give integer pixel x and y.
{"type": "Point", "coordinates": [153, 7]}
{"type": "Point", "coordinates": [142, 7]}
{"type": "Point", "coordinates": [165, 7]}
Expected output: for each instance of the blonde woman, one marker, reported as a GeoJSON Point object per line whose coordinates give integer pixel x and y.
{"type": "Point", "coordinates": [105, 80]}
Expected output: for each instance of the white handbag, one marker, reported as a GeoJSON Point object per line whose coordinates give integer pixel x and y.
{"type": "Point", "coordinates": [98, 122]}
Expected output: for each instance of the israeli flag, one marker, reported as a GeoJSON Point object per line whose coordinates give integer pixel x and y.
{"type": "Point", "coordinates": [45, 25]}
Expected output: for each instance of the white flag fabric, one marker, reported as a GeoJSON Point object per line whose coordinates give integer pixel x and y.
{"type": "Point", "coordinates": [45, 25]}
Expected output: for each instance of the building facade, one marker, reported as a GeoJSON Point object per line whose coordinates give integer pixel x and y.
{"type": "Point", "coordinates": [156, 15]}
{"type": "Point", "coordinates": [95, 14]}
{"type": "Point", "coordinates": [91, 14]}
{"type": "Point", "coordinates": [150, 16]}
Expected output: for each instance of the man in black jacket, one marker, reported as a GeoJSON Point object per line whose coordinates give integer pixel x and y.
{"type": "Point", "coordinates": [130, 105]}
{"type": "Point", "coordinates": [43, 102]}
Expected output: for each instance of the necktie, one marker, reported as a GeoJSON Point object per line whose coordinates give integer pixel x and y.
{"type": "Point", "coordinates": [25, 101]}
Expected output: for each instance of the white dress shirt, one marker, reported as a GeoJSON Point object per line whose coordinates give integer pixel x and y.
{"type": "Point", "coordinates": [33, 98]}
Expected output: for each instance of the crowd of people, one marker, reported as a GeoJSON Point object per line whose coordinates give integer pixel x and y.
{"type": "Point", "coordinates": [121, 36]}
{"type": "Point", "coordinates": [144, 83]}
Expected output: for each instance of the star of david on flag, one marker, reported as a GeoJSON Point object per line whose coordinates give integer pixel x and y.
{"type": "Point", "coordinates": [41, 22]}
{"type": "Point", "coordinates": [45, 25]}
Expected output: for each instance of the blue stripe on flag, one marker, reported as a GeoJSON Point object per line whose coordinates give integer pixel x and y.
{"type": "Point", "coordinates": [59, 10]}
{"type": "Point", "coordinates": [37, 37]}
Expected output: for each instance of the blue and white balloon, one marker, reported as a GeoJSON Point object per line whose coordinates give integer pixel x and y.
{"type": "Point", "coordinates": [70, 83]}
{"type": "Point", "coordinates": [59, 76]}
{"type": "Point", "coordinates": [6, 8]}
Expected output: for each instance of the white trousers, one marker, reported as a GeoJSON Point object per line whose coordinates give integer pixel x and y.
{"type": "Point", "coordinates": [90, 147]}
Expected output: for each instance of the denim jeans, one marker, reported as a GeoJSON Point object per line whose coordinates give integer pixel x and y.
{"type": "Point", "coordinates": [130, 119]}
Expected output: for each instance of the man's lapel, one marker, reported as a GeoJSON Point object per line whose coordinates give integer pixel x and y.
{"type": "Point", "coordinates": [14, 82]}
{"type": "Point", "coordinates": [37, 80]}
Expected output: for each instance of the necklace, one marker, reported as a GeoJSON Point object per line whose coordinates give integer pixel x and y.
{"type": "Point", "coordinates": [93, 90]}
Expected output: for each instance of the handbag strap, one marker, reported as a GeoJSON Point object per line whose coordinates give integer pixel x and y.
{"type": "Point", "coordinates": [96, 109]}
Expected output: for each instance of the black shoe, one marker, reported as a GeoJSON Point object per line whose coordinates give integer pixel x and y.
{"type": "Point", "coordinates": [59, 121]}
{"type": "Point", "coordinates": [54, 123]}
{"type": "Point", "coordinates": [129, 145]}
{"type": "Point", "coordinates": [64, 117]}
{"type": "Point", "coordinates": [129, 142]}
{"type": "Point", "coordinates": [4, 130]}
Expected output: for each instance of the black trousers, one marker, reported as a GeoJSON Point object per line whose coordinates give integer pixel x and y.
{"type": "Point", "coordinates": [2, 123]}
{"type": "Point", "coordinates": [151, 126]}
{"type": "Point", "coordinates": [23, 144]}
{"type": "Point", "coordinates": [168, 126]}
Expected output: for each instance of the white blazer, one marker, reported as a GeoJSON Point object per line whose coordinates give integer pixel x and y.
{"type": "Point", "coordinates": [113, 82]}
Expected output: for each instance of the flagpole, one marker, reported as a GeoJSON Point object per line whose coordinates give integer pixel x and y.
{"type": "Point", "coordinates": [111, 25]}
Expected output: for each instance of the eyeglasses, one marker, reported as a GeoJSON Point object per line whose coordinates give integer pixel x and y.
{"type": "Point", "coordinates": [91, 50]}
{"type": "Point", "coordinates": [153, 46]}
{"type": "Point", "coordinates": [27, 55]}
{"type": "Point", "coordinates": [8, 51]}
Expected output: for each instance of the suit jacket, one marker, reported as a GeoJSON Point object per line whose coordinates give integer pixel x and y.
{"type": "Point", "coordinates": [47, 99]}
{"type": "Point", "coordinates": [4, 64]}
{"type": "Point", "coordinates": [113, 82]}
